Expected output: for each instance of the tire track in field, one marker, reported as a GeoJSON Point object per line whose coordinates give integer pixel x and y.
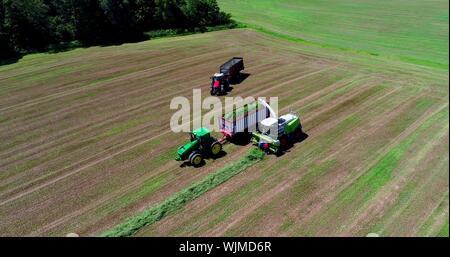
{"type": "Point", "coordinates": [131, 75]}
{"type": "Point", "coordinates": [361, 168]}
{"type": "Point", "coordinates": [97, 124]}
{"type": "Point", "coordinates": [119, 94]}
{"type": "Point", "coordinates": [270, 163]}
{"type": "Point", "coordinates": [71, 216]}
{"type": "Point", "coordinates": [377, 123]}
{"type": "Point", "coordinates": [133, 107]}
{"type": "Point", "coordinates": [312, 116]}
{"type": "Point", "coordinates": [130, 187]}
{"type": "Point", "coordinates": [149, 103]}
{"type": "Point", "coordinates": [393, 188]}
{"type": "Point", "coordinates": [328, 125]}
{"type": "Point", "coordinates": [75, 171]}
{"type": "Point", "coordinates": [126, 112]}
{"type": "Point", "coordinates": [265, 197]}
{"type": "Point", "coordinates": [38, 178]}
{"type": "Point", "coordinates": [428, 183]}
{"type": "Point", "coordinates": [249, 175]}
{"type": "Point", "coordinates": [308, 208]}
{"type": "Point", "coordinates": [89, 164]}
{"type": "Point", "coordinates": [261, 92]}
{"type": "Point", "coordinates": [439, 218]}
{"type": "Point", "coordinates": [77, 213]}
{"type": "Point", "coordinates": [239, 216]}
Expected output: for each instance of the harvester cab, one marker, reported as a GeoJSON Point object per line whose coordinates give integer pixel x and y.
{"type": "Point", "coordinates": [269, 126]}
{"type": "Point", "coordinates": [201, 145]}
{"type": "Point", "coordinates": [219, 84]}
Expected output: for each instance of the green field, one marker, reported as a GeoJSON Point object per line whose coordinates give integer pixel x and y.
{"type": "Point", "coordinates": [413, 31]}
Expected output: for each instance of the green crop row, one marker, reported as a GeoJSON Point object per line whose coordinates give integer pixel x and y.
{"type": "Point", "coordinates": [179, 199]}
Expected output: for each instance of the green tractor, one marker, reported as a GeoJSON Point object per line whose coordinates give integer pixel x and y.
{"type": "Point", "coordinates": [201, 145]}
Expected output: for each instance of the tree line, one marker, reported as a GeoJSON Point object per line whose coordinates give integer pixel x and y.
{"type": "Point", "coordinates": [36, 25]}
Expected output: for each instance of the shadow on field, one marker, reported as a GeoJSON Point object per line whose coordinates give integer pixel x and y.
{"type": "Point", "coordinates": [240, 79]}
{"type": "Point", "coordinates": [221, 154]}
{"type": "Point", "coordinates": [241, 139]}
{"type": "Point", "coordinates": [218, 156]}
{"type": "Point", "coordinates": [10, 60]}
{"type": "Point", "coordinates": [230, 88]}
{"type": "Point", "coordinates": [302, 138]}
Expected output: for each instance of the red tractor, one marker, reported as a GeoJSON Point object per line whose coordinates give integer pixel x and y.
{"type": "Point", "coordinates": [228, 73]}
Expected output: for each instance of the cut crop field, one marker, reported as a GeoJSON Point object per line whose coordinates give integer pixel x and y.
{"type": "Point", "coordinates": [86, 143]}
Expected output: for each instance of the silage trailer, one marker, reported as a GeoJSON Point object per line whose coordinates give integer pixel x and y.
{"type": "Point", "coordinates": [243, 120]}
{"type": "Point", "coordinates": [261, 121]}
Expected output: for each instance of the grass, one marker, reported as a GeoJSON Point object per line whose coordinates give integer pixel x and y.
{"type": "Point", "coordinates": [122, 127]}
{"type": "Point", "coordinates": [162, 33]}
{"type": "Point", "coordinates": [373, 180]}
{"type": "Point", "coordinates": [444, 230]}
{"type": "Point", "coordinates": [377, 28]}
{"type": "Point", "coordinates": [179, 199]}
{"type": "Point", "coordinates": [366, 186]}
{"type": "Point", "coordinates": [228, 205]}
{"type": "Point", "coordinates": [427, 226]}
{"type": "Point", "coordinates": [149, 187]}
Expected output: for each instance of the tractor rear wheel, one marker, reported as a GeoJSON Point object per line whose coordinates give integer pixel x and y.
{"type": "Point", "coordinates": [195, 158]}
{"type": "Point", "coordinates": [283, 142]}
{"type": "Point", "coordinates": [215, 148]}
{"type": "Point", "coordinates": [298, 134]}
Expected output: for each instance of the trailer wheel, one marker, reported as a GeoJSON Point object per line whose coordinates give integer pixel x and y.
{"type": "Point", "coordinates": [195, 158]}
{"type": "Point", "coordinates": [215, 148]}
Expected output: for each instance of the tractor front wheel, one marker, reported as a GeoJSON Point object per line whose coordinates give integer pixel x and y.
{"type": "Point", "coordinates": [195, 159]}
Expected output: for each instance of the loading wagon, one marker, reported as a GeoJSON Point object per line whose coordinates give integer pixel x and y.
{"type": "Point", "coordinates": [243, 120]}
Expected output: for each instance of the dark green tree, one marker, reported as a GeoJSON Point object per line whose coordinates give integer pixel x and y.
{"type": "Point", "coordinates": [61, 20]}
{"type": "Point", "coordinates": [36, 25]}
{"type": "Point", "coordinates": [26, 24]}
{"type": "Point", "coordinates": [122, 25]}
{"type": "Point", "coordinates": [91, 24]}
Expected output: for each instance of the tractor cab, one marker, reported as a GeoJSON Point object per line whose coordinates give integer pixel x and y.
{"type": "Point", "coordinates": [218, 84]}
{"type": "Point", "coordinates": [217, 76]}
{"type": "Point", "coordinates": [201, 134]}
